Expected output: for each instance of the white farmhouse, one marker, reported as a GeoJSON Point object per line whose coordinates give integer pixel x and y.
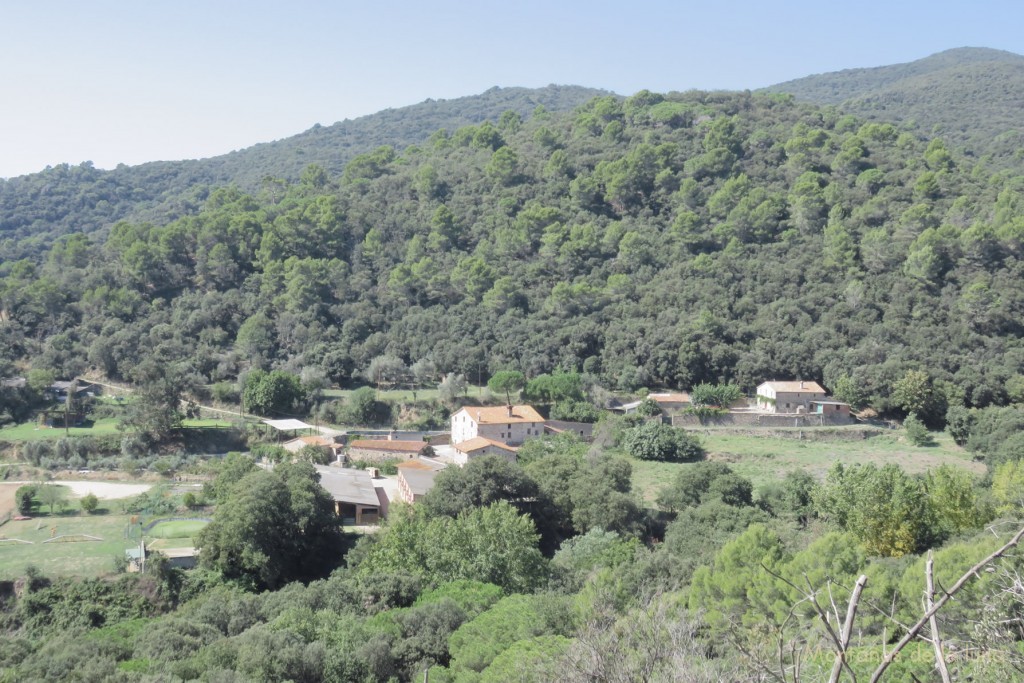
{"type": "Point", "coordinates": [788, 397]}
{"type": "Point", "coordinates": [511, 425]}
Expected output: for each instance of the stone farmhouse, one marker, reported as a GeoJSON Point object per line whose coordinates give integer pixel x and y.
{"type": "Point", "coordinates": [479, 445]}
{"type": "Point", "coordinates": [788, 397]}
{"type": "Point", "coordinates": [380, 450]}
{"type": "Point", "coordinates": [509, 425]}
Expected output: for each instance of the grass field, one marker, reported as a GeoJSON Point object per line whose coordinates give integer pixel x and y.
{"type": "Point", "coordinates": [178, 529]}
{"type": "Point", "coordinates": [767, 459]}
{"type": "Point", "coordinates": [31, 431]}
{"type": "Point", "coordinates": [83, 558]}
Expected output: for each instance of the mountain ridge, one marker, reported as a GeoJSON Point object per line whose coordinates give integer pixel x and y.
{"type": "Point", "coordinates": [970, 96]}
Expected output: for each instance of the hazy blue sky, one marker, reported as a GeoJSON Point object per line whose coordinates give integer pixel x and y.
{"type": "Point", "coordinates": [129, 82]}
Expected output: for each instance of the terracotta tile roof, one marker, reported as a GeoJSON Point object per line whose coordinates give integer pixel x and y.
{"type": "Point", "coordinates": [499, 414]}
{"type": "Point", "coordinates": [478, 442]}
{"type": "Point", "coordinates": [385, 445]}
{"type": "Point", "coordinates": [795, 387]}
{"type": "Point", "coordinates": [421, 464]}
{"type": "Point", "coordinates": [672, 397]}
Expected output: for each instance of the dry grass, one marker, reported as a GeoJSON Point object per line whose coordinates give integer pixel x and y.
{"type": "Point", "coordinates": [767, 459]}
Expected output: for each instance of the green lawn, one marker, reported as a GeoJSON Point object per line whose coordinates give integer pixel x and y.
{"type": "Point", "coordinates": [31, 431]}
{"type": "Point", "coordinates": [83, 558]}
{"type": "Point", "coordinates": [177, 529]}
{"type": "Point", "coordinates": [766, 459]}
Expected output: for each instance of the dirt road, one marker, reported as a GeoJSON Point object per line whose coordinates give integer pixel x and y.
{"type": "Point", "coordinates": [7, 498]}
{"type": "Point", "coordinates": [104, 490]}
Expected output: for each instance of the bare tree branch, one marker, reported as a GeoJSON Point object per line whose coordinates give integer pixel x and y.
{"type": "Point", "coordinates": [844, 637]}
{"type": "Point", "coordinates": [840, 646]}
{"type": "Point", "coordinates": [929, 600]}
{"type": "Point", "coordinates": [916, 628]}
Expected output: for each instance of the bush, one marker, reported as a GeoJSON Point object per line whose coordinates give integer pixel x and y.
{"type": "Point", "coordinates": [648, 408]}
{"type": "Point", "coordinates": [718, 395]}
{"type": "Point", "coordinates": [89, 503]}
{"type": "Point", "coordinates": [575, 411]}
{"type": "Point", "coordinates": [25, 499]}
{"type": "Point", "coordinates": [657, 441]}
{"type": "Point", "coordinates": [225, 392]}
{"type": "Point", "coordinates": [917, 432]}
{"type": "Point", "coordinates": [959, 421]}
{"type": "Point", "coordinates": [363, 408]}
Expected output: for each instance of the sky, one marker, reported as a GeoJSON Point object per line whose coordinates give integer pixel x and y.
{"type": "Point", "coordinates": [128, 82]}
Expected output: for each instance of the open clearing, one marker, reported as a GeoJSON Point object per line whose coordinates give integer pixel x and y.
{"type": "Point", "coordinates": [104, 490]}
{"type": "Point", "coordinates": [767, 459]}
{"type": "Point", "coordinates": [177, 529]}
{"type": "Point", "coordinates": [82, 558]}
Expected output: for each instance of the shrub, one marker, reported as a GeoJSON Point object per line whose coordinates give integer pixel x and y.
{"type": "Point", "coordinates": [657, 441]}
{"type": "Point", "coordinates": [648, 408]}
{"type": "Point", "coordinates": [89, 503]}
{"type": "Point", "coordinates": [25, 499]}
{"type": "Point", "coordinates": [575, 411]}
{"type": "Point", "coordinates": [917, 432]}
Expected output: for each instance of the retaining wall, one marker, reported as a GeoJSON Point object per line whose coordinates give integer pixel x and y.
{"type": "Point", "coordinates": [764, 420]}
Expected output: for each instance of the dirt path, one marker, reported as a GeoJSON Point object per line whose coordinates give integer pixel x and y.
{"type": "Point", "coordinates": [7, 498]}
{"type": "Point", "coordinates": [104, 490]}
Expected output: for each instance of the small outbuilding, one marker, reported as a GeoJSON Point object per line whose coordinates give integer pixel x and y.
{"type": "Point", "coordinates": [478, 446]}
{"type": "Point", "coordinates": [416, 478]}
{"type": "Point", "coordinates": [356, 499]}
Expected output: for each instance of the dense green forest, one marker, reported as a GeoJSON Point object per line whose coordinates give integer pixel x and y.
{"type": "Point", "coordinates": [971, 97]}
{"type": "Point", "coordinates": [661, 240]}
{"type": "Point", "coordinates": [37, 208]}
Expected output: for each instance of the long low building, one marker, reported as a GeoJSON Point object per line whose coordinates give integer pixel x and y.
{"type": "Point", "coordinates": [356, 500]}
{"type": "Point", "coordinates": [478, 446]}
{"type": "Point", "coordinates": [416, 478]}
{"type": "Point", "coordinates": [379, 450]}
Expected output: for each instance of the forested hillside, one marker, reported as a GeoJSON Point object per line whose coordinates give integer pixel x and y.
{"type": "Point", "coordinates": [972, 97]}
{"type": "Point", "coordinates": [663, 240]}
{"type": "Point", "coordinates": [81, 198]}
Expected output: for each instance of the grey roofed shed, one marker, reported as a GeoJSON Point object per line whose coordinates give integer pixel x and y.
{"type": "Point", "coordinates": [348, 485]}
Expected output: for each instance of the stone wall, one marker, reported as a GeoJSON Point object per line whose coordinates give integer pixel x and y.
{"type": "Point", "coordinates": [763, 420]}
{"type": "Point", "coordinates": [373, 455]}
{"type": "Point", "coordinates": [809, 434]}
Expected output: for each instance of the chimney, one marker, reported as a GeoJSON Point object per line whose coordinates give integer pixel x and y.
{"type": "Point", "coordinates": [801, 384]}
{"type": "Point", "coordinates": [509, 409]}
{"type": "Point", "coordinates": [391, 435]}
{"type": "Point", "coordinates": [479, 416]}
